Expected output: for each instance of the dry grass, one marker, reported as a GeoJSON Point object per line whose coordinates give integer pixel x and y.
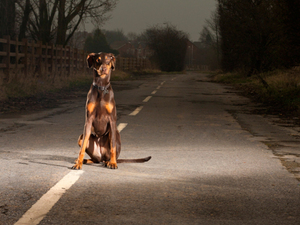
{"type": "Point", "coordinates": [281, 94]}
{"type": "Point", "coordinates": [22, 87]}
{"type": "Point", "coordinates": [287, 79]}
{"type": "Point", "coordinates": [32, 85]}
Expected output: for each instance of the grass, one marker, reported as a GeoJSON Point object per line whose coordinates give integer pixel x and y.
{"type": "Point", "coordinates": [20, 87]}
{"type": "Point", "coordinates": [281, 92]}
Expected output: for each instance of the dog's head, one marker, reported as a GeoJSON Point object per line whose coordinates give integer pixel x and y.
{"type": "Point", "coordinates": [102, 62]}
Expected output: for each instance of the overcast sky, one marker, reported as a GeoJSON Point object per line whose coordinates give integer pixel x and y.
{"type": "Point", "coordinates": [137, 15]}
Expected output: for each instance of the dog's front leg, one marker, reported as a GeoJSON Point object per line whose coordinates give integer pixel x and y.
{"type": "Point", "coordinates": [112, 164]}
{"type": "Point", "coordinates": [86, 137]}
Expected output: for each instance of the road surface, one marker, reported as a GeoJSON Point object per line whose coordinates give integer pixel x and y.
{"type": "Point", "coordinates": [213, 161]}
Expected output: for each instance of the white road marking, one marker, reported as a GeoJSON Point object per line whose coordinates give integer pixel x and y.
{"type": "Point", "coordinates": [136, 111]}
{"type": "Point", "coordinates": [40, 209]}
{"type": "Point", "coordinates": [147, 99]}
{"type": "Point", "coordinates": [121, 126]}
{"type": "Point", "coordinates": [154, 92]}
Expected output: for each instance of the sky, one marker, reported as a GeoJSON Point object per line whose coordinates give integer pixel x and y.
{"type": "Point", "coordinates": [138, 15]}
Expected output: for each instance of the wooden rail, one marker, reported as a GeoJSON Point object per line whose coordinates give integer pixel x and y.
{"type": "Point", "coordinates": [37, 60]}
{"type": "Point", "coordinates": [133, 64]}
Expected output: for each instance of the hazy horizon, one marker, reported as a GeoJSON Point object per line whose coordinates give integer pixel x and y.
{"type": "Point", "coordinates": [137, 15]}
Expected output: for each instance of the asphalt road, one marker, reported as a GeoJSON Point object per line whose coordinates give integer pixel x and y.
{"type": "Point", "coordinates": [213, 161]}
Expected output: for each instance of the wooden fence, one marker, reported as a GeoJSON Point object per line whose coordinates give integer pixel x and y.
{"type": "Point", "coordinates": [134, 64]}
{"type": "Point", "coordinates": [34, 59]}
{"type": "Point", "coordinates": [37, 60]}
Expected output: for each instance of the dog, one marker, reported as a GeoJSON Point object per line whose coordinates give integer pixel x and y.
{"type": "Point", "coordinates": [100, 139]}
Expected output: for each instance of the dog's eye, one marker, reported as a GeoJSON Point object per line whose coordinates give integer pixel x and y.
{"type": "Point", "coordinates": [98, 60]}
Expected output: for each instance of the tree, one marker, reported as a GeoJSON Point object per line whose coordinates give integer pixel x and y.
{"type": "Point", "coordinates": [71, 13]}
{"type": "Point", "coordinates": [290, 11]}
{"type": "Point", "coordinates": [251, 34]}
{"type": "Point", "coordinates": [39, 17]}
{"type": "Point", "coordinates": [24, 19]}
{"type": "Point", "coordinates": [132, 36]}
{"type": "Point", "coordinates": [98, 43]}
{"type": "Point", "coordinates": [169, 46]}
{"type": "Point", "coordinates": [213, 25]}
{"type": "Point", "coordinates": [115, 35]}
{"type": "Point", "coordinates": [7, 18]}
{"type": "Point", "coordinates": [57, 20]}
{"type": "Point", "coordinates": [259, 35]}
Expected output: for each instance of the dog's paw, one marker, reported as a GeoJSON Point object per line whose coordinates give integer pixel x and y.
{"type": "Point", "coordinates": [77, 166]}
{"type": "Point", "coordinates": [111, 165]}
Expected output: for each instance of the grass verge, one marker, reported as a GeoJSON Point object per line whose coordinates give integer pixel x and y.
{"type": "Point", "coordinates": [32, 94]}
{"type": "Point", "coordinates": [279, 90]}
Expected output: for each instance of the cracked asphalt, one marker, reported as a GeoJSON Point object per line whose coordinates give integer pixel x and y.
{"type": "Point", "coordinates": [213, 160]}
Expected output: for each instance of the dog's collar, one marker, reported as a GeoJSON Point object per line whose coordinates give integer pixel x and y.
{"type": "Point", "coordinates": [102, 88]}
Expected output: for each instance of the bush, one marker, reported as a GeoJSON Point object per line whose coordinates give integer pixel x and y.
{"type": "Point", "coordinates": [169, 46]}
{"type": "Point", "coordinates": [98, 43]}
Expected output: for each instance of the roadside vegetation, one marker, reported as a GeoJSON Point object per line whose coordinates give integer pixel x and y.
{"type": "Point", "coordinates": [278, 90]}
{"type": "Point", "coordinates": [257, 47]}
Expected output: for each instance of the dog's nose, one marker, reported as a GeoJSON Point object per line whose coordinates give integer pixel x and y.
{"type": "Point", "coordinates": [103, 68]}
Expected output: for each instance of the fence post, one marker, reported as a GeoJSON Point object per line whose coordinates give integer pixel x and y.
{"type": "Point", "coordinates": [32, 61]}
{"type": "Point", "coordinates": [40, 58]}
{"type": "Point", "coordinates": [17, 53]}
{"type": "Point", "coordinates": [71, 60]}
{"type": "Point", "coordinates": [46, 60]}
{"type": "Point", "coordinates": [25, 61]}
{"type": "Point", "coordinates": [7, 58]}
{"type": "Point", "coordinates": [59, 61]}
{"type": "Point", "coordinates": [52, 60]}
{"type": "Point", "coordinates": [65, 56]}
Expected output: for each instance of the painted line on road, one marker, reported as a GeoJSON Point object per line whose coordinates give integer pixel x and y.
{"type": "Point", "coordinates": [136, 111]}
{"type": "Point", "coordinates": [121, 126]}
{"type": "Point", "coordinates": [158, 87]}
{"type": "Point", "coordinates": [40, 209]}
{"type": "Point", "coordinates": [147, 99]}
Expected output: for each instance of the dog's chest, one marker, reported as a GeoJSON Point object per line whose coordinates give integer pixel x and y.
{"type": "Point", "coordinates": [101, 125]}
{"type": "Point", "coordinates": [102, 118]}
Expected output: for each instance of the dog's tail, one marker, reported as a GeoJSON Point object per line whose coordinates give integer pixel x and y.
{"type": "Point", "coordinates": [141, 160]}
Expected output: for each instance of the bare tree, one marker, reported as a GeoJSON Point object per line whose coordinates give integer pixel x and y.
{"type": "Point", "coordinates": [7, 18]}
{"type": "Point", "coordinates": [24, 18]}
{"type": "Point", "coordinates": [38, 19]}
{"type": "Point", "coordinates": [57, 20]}
{"type": "Point", "coordinates": [72, 12]}
{"type": "Point", "coordinates": [251, 35]}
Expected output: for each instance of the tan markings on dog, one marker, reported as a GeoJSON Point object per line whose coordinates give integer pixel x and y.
{"type": "Point", "coordinates": [109, 107]}
{"type": "Point", "coordinates": [113, 159]}
{"type": "Point", "coordinates": [91, 107]}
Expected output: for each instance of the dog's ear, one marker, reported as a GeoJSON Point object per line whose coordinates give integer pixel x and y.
{"type": "Point", "coordinates": [90, 59]}
{"type": "Point", "coordinates": [113, 61]}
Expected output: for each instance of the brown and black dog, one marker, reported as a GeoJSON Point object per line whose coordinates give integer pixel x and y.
{"type": "Point", "coordinates": [101, 139]}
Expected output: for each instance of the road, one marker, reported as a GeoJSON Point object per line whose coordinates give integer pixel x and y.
{"type": "Point", "coordinates": [213, 161]}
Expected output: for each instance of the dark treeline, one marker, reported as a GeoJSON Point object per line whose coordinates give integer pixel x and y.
{"type": "Point", "coordinates": [259, 35]}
